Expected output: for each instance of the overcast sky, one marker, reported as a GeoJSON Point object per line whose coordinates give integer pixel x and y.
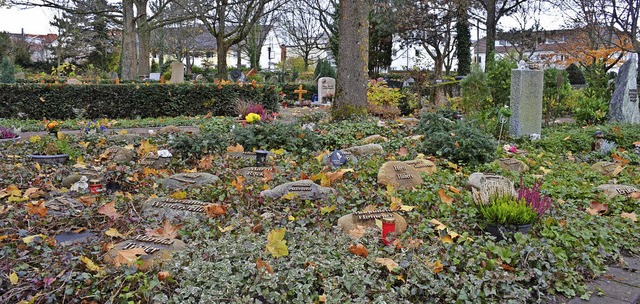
{"type": "Point", "coordinates": [36, 21]}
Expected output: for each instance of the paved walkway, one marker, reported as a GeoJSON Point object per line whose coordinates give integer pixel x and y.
{"type": "Point", "coordinates": [618, 286]}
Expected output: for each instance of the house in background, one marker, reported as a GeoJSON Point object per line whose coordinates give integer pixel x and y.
{"type": "Point", "coordinates": [40, 46]}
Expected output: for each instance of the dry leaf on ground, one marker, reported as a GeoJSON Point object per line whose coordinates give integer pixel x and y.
{"type": "Point", "coordinates": [167, 231]}
{"type": "Point", "coordinates": [389, 263]}
{"type": "Point", "coordinates": [359, 249]}
{"type": "Point", "coordinates": [109, 209]}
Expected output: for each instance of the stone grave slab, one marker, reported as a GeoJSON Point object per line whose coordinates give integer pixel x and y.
{"type": "Point", "coordinates": [607, 168]}
{"type": "Point", "coordinates": [513, 165]}
{"type": "Point", "coordinates": [484, 186]}
{"type": "Point", "coordinates": [177, 72]}
{"type": "Point", "coordinates": [172, 209]}
{"type": "Point", "coordinates": [118, 155]}
{"type": "Point", "coordinates": [400, 175]}
{"type": "Point", "coordinates": [349, 159]}
{"type": "Point", "coordinates": [366, 150]}
{"type": "Point", "coordinates": [158, 250]}
{"type": "Point", "coordinates": [188, 180]}
{"type": "Point", "coordinates": [73, 178]}
{"type": "Point", "coordinates": [256, 173]}
{"type": "Point", "coordinates": [374, 139]}
{"type": "Point", "coordinates": [303, 189]}
{"type": "Point", "coordinates": [70, 238]}
{"type": "Point", "coordinates": [155, 161]}
{"type": "Point", "coordinates": [624, 101]}
{"type": "Point", "coordinates": [612, 190]}
{"type": "Point", "coordinates": [368, 220]}
{"type": "Point", "coordinates": [249, 155]}
{"type": "Point", "coordinates": [526, 102]}
{"type": "Point", "coordinates": [422, 165]}
{"type": "Point", "coordinates": [63, 206]}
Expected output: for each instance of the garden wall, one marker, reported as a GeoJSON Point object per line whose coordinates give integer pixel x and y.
{"type": "Point", "coordinates": [57, 101]}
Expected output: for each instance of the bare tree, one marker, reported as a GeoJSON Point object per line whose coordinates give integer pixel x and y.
{"type": "Point", "coordinates": [626, 15]}
{"type": "Point", "coordinates": [525, 39]}
{"type": "Point", "coordinates": [303, 31]}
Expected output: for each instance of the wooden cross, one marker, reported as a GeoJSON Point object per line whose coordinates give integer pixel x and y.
{"type": "Point", "coordinates": [300, 91]}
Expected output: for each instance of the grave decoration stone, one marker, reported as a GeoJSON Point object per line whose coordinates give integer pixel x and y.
{"type": "Point", "coordinates": [368, 219]}
{"type": "Point", "coordinates": [607, 168]}
{"type": "Point", "coordinates": [422, 165]}
{"type": "Point", "coordinates": [399, 174]}
{"type": "Point", "coordinates": [155, 161]}
{"type": "Point", "coordinates": [302, 189]}
{"type": "Point", "coordinates": [526, 102]}
{"type": "Point", "coordinates": [373, 139]}
{"type": "Point", "coordinates": [339, 158]}
{"type": "Point", "coordinates": [188, 180]}
{"type": "Point", "coordinates": [177, 72]}
{"type": "Point", "coordinates": [117, 155]}
{"type": "Point", "coordinates": [484, 186]}
{"type": "Point", "coordinates": [72, 178]}
{"type": "Point", "coordinates": [624, 101]}
{"type": "Point", "coordinates": [63, 206]}
{"type": "Point", "coordinates": [236, 75]}
{"type": "Point", "coordinates": [158, 250]}
{"type": "Point", "coordinates": [73, 81]}
{"type": "Point", "coordinates": [326, 89]}
{"type": "Point", "coordinates": [513, 165]}
{"type": "Point", "coordinates": [172, 209]}
{"type": "Point", "coordinates": [612, 190]}
{"type": "Point", "coordinates": [256, 173]}
{"type": "Point", "coordinates": [154, 76]}
{"type": "Point", "coordinates": [249, 155]}
{"type": "Point", "coordinates": [366, 150]}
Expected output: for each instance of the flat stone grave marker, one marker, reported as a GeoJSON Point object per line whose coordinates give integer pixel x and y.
{"type": "Point", "coordinates": [154, 76]}
{"type": "Point", "coordinates": [513, 165]}
{"type": "Point", "coordinates": [302, 189]}
{"type": "Point", "coordinates": [366, 150]}
{"type": "Point", "coordinates": [249, 155]}
{"type": "Point", "coordinates": [72, 178]}
{"type": "Point", "coordinates": [339, 158]}
{"type": "Point", "coordinates": [155, 161]}
{"type": "Point", "coordinates": [373, 139]}
{"type": "Point", "coordinates": [612, 190]}
{"type": "Point", "coordinates": [117, 154]}
{"type": "Point", "coordinates": [157, 250]}
{"type": "Point", "coordinates": [607, 168]}
{"type": "Point", "coordinates": [172, 209]}
{"type": "Point", "coordinates": [399, 174]}
{"type": "Point", "coordinates": [188, 180]}
{"type": "Point", "coordinates": [368, 220]}
{"type": "Point", "coordinates": [63, 206]}
{"type": "Point", "coordinates": [256, 173]}
{"type": "Point", "coordinates": [422, 165]}
{"type": "Point", "coordinates": [484, 186]}
{"type": "Point", "coordinates": [69, 238]}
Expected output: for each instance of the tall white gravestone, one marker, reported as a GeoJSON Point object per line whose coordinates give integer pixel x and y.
{"type": "Point", "coordinates": [526, 102]}
{"type": "Point", "coordinates": [177, 72]}
{"type": "Point", "coordinates": [326, 89]}
{"type": "Point", "coordinates": [624, 102]}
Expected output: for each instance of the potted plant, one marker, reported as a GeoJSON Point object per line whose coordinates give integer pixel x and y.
{"type": "Point", "coordinates": [50, 150]}
{"type": "Point", "coordinates": [7, 134]}
{"type": "Point", "coordinates": [52, 127]}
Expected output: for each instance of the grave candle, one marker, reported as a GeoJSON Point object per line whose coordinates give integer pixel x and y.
{"type": "Point", "coordinates": [95, 186]}
{"type": "Point", "coordinates": [261, 157]}
{"type": "Point", "coordinates": [388, 226]}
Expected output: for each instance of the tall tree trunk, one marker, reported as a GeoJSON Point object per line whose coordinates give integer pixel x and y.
{"type": "Point", "coordinates": [239, 60]}
{"type": "Point", "coordinates": [463, 47]}
{"type": "Point", "coordinates": [353, 54]}
{"type": "Point", "coordinates": [128, 59]}
{"type": "Point", "coordinates": [223, 70]}
{"type": "Point", "coordinates": [491, 33]}
{"type": "Point", "coordinates": [144, 37]}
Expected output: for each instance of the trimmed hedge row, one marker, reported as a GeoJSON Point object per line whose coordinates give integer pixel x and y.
{"type": "Point", "coordinates": [57, 101]}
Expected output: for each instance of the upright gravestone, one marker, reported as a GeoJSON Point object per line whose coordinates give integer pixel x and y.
{"type": "Point", "coordinates": [177, 72]}
{"type": "Point", "coordinates": [326, 89]}
{"type": "Point", "coordinates": [624, 102]}
{"type": "Point", "coordinates": [526, 102]}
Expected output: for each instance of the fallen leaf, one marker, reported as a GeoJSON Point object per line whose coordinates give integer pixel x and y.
{"type": "Point", "coordinates": [128, 256]}
{"type": "Point", "coordinates": [225, 229]}
{"type": "Point", "coordinates": [322, 298]}
{"type": "Point", "coordinates": [439, 226]}
{"type": "Point", "coordinates": [436, 266]}
{"type": "Point", "coordinates": [359, 249]}
{"type": "Point", "coordinates": [238, 182]}
{"type": "Point", "coordinates": [327, 209]}
{"type": "Point", "coordinates": [507, 267]}
{"type": "Point", "coordinates": [260, 264]}
{"type": "Point", "coordinates": [454, 190]}
{"type": "Point", "coordinates": [403, 151]}
{"type": "Point", "coordinates": [32, 193]}
{"type": "Point", "coordinates": [179, 195]}
{"type": "Point", "coordinates": [31, 238]}
{"type": "Point", "coordinates": [632, 216]}
{"type": "Point", "coordinates": [257, 228]}
{"type": "Point", "coordinates": [87, 200]}
{"type": "Point", "coordinates": [276, 244]}
{"type": "Point", "coordinates": [236, 148]}
{"type": "Point", "coordinates": [389, 263]}
{"type": "Point", "coordinates": [167, 230]}
{"type": "Point", "coordinates": [215, 210]}
{"type": "Point", "coordinates": [357, 232]}
{"type": "Point", "coordinates": [444, 197]}
{"type": "Point", "coordinates": [13, 277]}
{"type": "Point", "coordinates": [113, 232]}
{"type": "Point", "coordinates": [90, 264]}
{"type": "Point", "coordinates": [278, 151]}
{"type": "Point", "coordinates": [268, 175]}
{"type": "Point", "coordinates": [206, 162]}
{"type": "Point", "coordinates": [291, 218]}
{"type": "Point", "coordinates": [447, 239]}
{"type": "Point", "coordinates": [80, 163]}
{"type": "Point", "coordinates": [109, 209]}
{"type": "Point", "coordinates": [13, 191]}
{"type": "Point", "coordinates": [37, 208]}
{"type": "Point", "coordinates": [321, 156]}
{"type": "Point", "coordinates": [145, 148]}
{"type": "Point", "coordinates": [596, 208]}
{"type": "Point", "coordinates": [290, 195]}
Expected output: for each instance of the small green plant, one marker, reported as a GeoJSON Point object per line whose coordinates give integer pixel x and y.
{"type": "Point", "coordinates": [49, 145]}
{"type": "Point", "coordinates": [7, 71]}
{"type": "Point", "coordinates": [507, 210]}
{"type": "Point", "coordinates": [324, 69]}
{"type": "Point", "coordinates": [289, 137]}
{"type": "Point", "coordinates": [476, 93]}
{"type": "Point", "coordinates": [379, 94]}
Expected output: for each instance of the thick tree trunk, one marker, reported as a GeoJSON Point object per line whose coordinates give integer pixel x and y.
{"type": "Point", "coordinates": [223, 70]}
{"type": "Point", "coordinates": [144, 50]}
{"type": "Point", "coordinates": [353, 53]}
{"type": "Point", "coordinates": [128, 59]}
{"type": "Point", "coordinates": [491, 33]}
{"type": "Point", "coordinates": [239, 54]}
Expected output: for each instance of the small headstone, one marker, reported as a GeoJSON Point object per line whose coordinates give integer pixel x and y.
{"type": "Point", "coordinates": [607, 168]}
{"type": "Point", "coordinates": [303, 189]}
{"type": "Point", "coordinates": [157, 250]}
{"type": "Point", "coordinates": [337, 157]}
{"type": "Point", "coordinates": [154, 76]}
{"type": "Point", "coordinates": [513, 165]}
{"type": "Point", "coordinates": [177, 72]}
{"type": "Point", "coordinates": [484, 186]}
{"type": "Point", "coordinates": [526, 102]}
{"type": "Point", "coordinates": [326, 89]}
{"type": "Point", "coordinates": [422, 165]}
{"type": "Point", "coordinates": [399, 174]}
{"type": "Point", "coordinates": [374, 139]}
{"type": "Point", "coordinates": [612, 190]}
{"type": "Point", "coordinates": [366, 150]}
{"type": "Point", "coordinates": [188, 180]}
{"type": "Point", "coordinates": [63, 206]}
{"type": "Point", "coordinates": [352, 221]}
{"type": "Point", "coordinates": [256, 173]}
{"type": "Point", "coordinates": [172, 209]}
{"type": "Point", "coordinates": [624, 101]}
{"type": "Point", "coordinates": [73, 81]}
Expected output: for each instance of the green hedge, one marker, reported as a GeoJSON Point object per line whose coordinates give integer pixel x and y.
{"type": "Point", "coordinates": [56, 101]}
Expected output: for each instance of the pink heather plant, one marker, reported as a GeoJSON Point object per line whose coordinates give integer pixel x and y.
{"type": "Point", "coordinates": [538, 202]}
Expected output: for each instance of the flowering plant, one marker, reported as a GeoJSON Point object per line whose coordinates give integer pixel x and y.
{"type": "Point", "coordinates": [252, 117]}
{"type": "Point", "coordinates": [94, 127]}
{"type": "Point", "coordinates": [534, 198]}
{"type": "Point", "coordinates": [52, 126]}
{"type": "Point", "coordinates": [6, 133]}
